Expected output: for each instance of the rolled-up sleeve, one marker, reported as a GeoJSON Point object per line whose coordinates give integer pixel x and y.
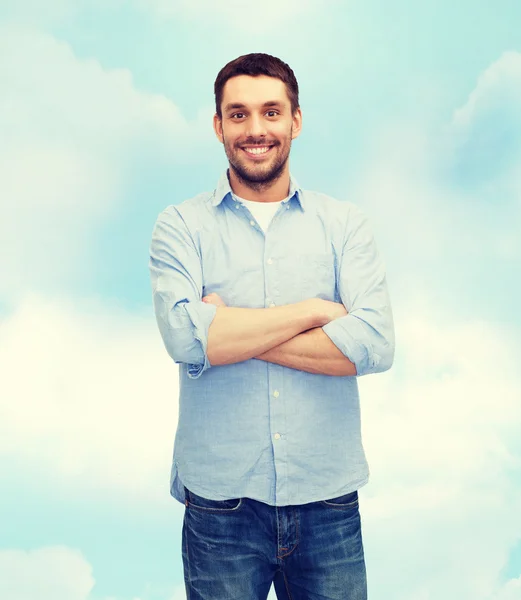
{"type": "Point", "coordinates": [366, 334]}
{"type": "Point", "coordinates": [177, 287]}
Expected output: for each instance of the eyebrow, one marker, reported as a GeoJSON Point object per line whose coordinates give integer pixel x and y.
{"type": "Point", "coordinates": [233, 105]}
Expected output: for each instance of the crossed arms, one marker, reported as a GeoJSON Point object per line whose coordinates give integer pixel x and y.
{"type": "Point", "coordinates": [291, 336]}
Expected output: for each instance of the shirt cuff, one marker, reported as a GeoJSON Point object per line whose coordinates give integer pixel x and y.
{"type": "Point", "coordinates": [345, 332]}
{"type": "Point", "coordinates": [201, 315]}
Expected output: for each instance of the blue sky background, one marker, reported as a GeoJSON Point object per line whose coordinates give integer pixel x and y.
{"type": "Point", "coordinates": [413, 113]}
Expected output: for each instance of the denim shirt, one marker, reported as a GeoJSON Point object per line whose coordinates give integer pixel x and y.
{"type": "Point", "coordinates": [257, 429]}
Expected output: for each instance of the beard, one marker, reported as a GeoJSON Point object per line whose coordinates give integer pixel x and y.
{"type": "Point", "coordinates": [258, 176]}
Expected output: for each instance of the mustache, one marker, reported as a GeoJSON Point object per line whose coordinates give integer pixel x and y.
{"type": "Point", "coordinates": [261, 144]}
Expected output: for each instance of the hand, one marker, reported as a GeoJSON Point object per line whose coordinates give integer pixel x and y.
{"type": "Point", "coordinates": [214, 298]}
{"type": "Point", "coordinates": [327, 311]}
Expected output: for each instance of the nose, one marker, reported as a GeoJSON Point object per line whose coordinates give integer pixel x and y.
{"type": "Point", "coordinates": [256, 126]}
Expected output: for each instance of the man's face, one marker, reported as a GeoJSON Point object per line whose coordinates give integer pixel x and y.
{"type": "Point", "coordinates": [256, 113]}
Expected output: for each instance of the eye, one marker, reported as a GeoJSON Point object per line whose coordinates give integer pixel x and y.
{"type": "Point", "coordinates": [240, 115]}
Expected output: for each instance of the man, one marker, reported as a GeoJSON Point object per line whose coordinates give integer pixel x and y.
{"type": "Point", "coordinates": [272, 299]}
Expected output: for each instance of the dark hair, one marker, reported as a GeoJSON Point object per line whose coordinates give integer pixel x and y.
{"type": "Point", "coordinates": [257, 64]}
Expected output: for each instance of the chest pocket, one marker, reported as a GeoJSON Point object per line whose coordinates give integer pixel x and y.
{"type": "Point", "coordinates": [311, 275]}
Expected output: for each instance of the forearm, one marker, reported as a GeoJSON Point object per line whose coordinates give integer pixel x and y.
{"type": "Point", "coordinates": [310, 351]}
{"type": "Point", "coordinates": [238, 334]}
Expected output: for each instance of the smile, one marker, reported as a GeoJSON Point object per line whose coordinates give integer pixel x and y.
{"type": "Point", "coordinates": [258, 151]}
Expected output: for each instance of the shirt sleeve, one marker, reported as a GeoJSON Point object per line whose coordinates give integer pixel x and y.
{"type": "Point", "coordinates": [366, 334]}
{"type": "Point", "coordinates": [177, 287]}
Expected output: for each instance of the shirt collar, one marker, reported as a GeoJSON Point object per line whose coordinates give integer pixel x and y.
{"type": "Point", "coordinates": [223, 189]}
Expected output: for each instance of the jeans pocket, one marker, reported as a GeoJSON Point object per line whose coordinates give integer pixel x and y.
{"type": "Point", "coordinates": [345, 501]}
{"type": "Point", "coordinates": [206, 504]}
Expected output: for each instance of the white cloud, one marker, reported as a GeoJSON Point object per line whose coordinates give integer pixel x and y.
{"type": "Point", "coordinates": [245, 17]}
{"type": "Point", "coordinates": [71, 131]}
{"type": "Point", "coordinates": [498, 90]}
{"type": "Point", "coordinates": [88, 395]}
{"type": "Point", "coordinates": [50, 573]}
{"type": "Point", "coordinates": [447, 197]}
{"type": "Point", "coordinates": [179, 593]}
{"type": "Point", "coordinates": [33, 11]}
{"type": "Point", "coordinates": [53, 573]}
{"type": "Point", "coordinates": [510, 591]}
{"type": "Point", "coordinates": [53, 12]}
{"type": "Point", "coordinates": [442, 508]}
{"type": "Point", "coordinates": [401, 189]}
{"type": "Point", "coordinates": [484, 137]}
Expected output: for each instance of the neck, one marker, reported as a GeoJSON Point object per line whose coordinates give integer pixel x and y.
{"type": "Point", "coordinates": [271, 191]}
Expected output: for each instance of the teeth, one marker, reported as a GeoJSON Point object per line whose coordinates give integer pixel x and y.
{"type": "Point", "coordinates": [257, 150]}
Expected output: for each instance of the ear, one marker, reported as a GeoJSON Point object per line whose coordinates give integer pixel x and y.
{"type": "Point", "coordinates": [218, 128]}
{"type": "Point", "coordinates": [297, 123]}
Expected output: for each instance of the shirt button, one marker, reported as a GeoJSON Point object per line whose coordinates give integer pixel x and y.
{"type": "Point", "coordinates": [269, 261]}
{"type": "Point", "coordinates": [276, 393]}
{"type": "Point", "coordinates": [277, 436]}
{"type": "Point", "coordinates": [252, 223]}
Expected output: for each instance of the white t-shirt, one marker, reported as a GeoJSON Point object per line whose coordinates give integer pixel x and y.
{"type": "Point", "coordinates": [262, 211]}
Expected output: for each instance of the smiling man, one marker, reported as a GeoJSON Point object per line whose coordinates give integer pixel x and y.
{"type": "Point", "coordinates": [273, 300]}
{"type": "Point", "coordinates": [259, 166]}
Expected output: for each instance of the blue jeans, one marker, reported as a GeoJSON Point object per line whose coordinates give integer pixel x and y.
{"type": "Point", "coordinates": [235, 549]}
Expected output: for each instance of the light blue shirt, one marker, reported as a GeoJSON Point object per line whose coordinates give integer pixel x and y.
{"type": "Point", "coordinates": [257, 429]}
